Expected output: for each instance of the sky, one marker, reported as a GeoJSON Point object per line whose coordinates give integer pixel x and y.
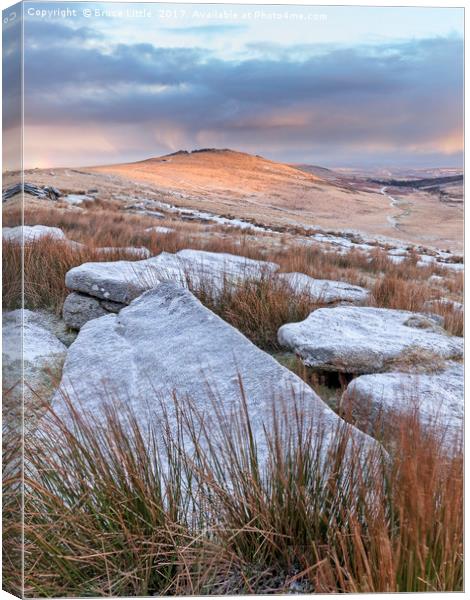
{"type": "Point", "coordinates": [333, 86]}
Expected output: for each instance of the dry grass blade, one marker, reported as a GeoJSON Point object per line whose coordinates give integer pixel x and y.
{"type": "Point", "coordinates": [108, 512]}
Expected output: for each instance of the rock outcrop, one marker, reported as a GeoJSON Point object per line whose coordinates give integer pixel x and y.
{"type": "Point", "coordinates": [27, 343]}
{"type": "Point", "coordinates": [438, 397]}
{"type": "Point", "coordinates": [123, 281]}
{"type": "Point", "coordinates": [324, 290]}
{"type": "Point", "coordinates": [216, 269]}
{"type": "Point", "coordinates": [27, 233]}
{"type": "Point", "coordinates": [77, 199]}
{"type": "Point", "coordinates": [353, 339]}
{"type": "Point", "coordinates": [44, 193]}
{"type": "Point", "coordinates": [78, 309]}
{"type": "Point", "coordinates": [141, 252]}
{"type": "Point", "coordinates": [167, 345]}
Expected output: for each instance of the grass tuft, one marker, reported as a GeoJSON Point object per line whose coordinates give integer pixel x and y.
{"type": "Point", "coordinates": [113, 511]}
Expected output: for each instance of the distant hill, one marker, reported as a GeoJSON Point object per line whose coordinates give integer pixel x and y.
{"type": "Point", "coordinates": [322, 172]}
{"type": "Point", "coordinates": [215, 170]}
{"type": "Point", "coordinates": [249, 187]}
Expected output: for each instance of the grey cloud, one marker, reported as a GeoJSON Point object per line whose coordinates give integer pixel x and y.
{"type": "Point", "coordinates": [52, 33]}
{"type": "Point", "coordinates": [397, 95]}
{"type": "Point", "coordinates": [11, 73]}
{"type": "Point", "coordinates": [139, 63]}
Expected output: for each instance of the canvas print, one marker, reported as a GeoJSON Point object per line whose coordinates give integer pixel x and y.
{"type": "Point", "coordinates": [232, 299]}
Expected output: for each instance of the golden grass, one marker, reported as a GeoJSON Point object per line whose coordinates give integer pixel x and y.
{"type": "Point", "coordinates": [105, 516]}
{"type": "Point", "coordinates": [392, 291]}
{"type": "Point", "coordinates": [453, 317]}
{"type": "Point", "coordinates": [120, 527]}
{"type": "Point", "coordinates": [257, 309]}
{"type": "Point", "coordinates": [45, 264]}
{"type": "Point", "coordinates": [403, 286]}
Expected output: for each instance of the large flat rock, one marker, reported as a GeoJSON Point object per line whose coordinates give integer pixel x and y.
{"type": "Point", "coordinates": [325, 290]}
{"type": "Point", "coordinates": [438, 397]}
{"type": "Point", "coordinates": [222, 263]}
{"type": "Point", "coordinates": [123, 281]}
{"type": "Point", "coordinates": [215, 270]}
{"type": "Point", "coordinates": [355, 339]}
{"type": "Point", "coordinates": [166, 344]}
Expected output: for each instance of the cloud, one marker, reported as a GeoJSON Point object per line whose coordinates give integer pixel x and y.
{"type": "Point", "coordinates": [400, 101]}
{"type": "Point", "coordinates": [206, 30]}
{"type": "Point", "coordinates": [54, 33]}
{"type": "Point", "coordinates": [11, 76]}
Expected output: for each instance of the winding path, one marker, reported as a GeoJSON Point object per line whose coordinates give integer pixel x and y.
{"type": "Point", "coordinates": [394, 220]}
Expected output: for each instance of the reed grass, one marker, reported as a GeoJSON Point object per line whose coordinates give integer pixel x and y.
{"type": "Point", "coordinates": [114, 510]}
{"type": "Point", "coordinates": [108, 511]}
{"type": "Point", "coordinates": [257, 309]}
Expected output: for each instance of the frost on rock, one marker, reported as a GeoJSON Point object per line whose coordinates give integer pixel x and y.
{"type": "Point", "coordinates": [160, 229]}
{"type": "Point", "coordinates": [123, 281]}
{"type": "Point", "coordinates": [396, 259]}
{"type": "Point", "coordinates": [458, 267]}
{"type": "Point", "coordinates": [438, 397]}
{"type": "Point", "coordinates": [27, 233]}
{"type": "Point", "coordinates": [215, 269]}
{"type": "Point", "coordinates": [167, 345]}
{"type": "Point", "coordinates": [325, 290]}
{"type": "Point", "coordinates": [26, 341]}
{"type": "Point", "coordinates": [354, 339]}
{"type": "Point", "coordinates": [141, 252]}
{"type": "Point", "coordinates": [77, 198]}
{"type": "Point", "coordinates": [38, 342]}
